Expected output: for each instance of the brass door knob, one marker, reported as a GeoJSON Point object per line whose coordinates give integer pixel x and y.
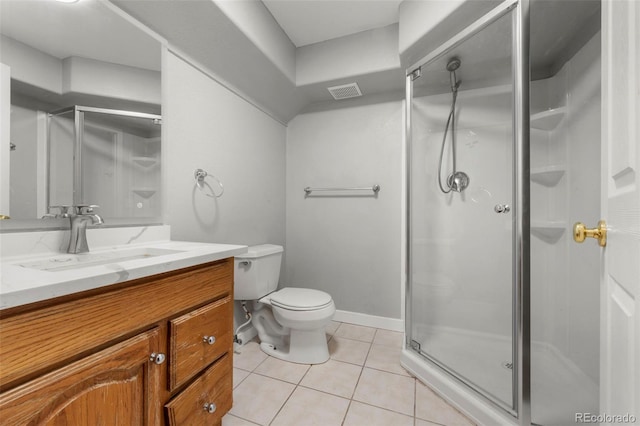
{"type": "Point", "coordinates": [581, 232]}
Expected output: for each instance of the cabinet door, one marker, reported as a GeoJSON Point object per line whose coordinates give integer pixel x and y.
{"type": "Point", "coordinates": [116, 386]}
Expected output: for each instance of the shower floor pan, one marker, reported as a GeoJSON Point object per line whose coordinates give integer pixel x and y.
{"type": "Point", "coordinates": [559, 388]}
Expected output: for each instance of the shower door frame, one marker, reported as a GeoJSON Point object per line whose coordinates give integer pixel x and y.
{"type": "Point", "coordinates": [78, 137]}
{"type": "Point", "coordinates": [521, 325]}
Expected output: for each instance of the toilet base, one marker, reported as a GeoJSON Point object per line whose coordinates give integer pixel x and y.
{"type": "Point", "coordinates": [293, 336]}
{"type": "Point", "coordinates": [309, 347]}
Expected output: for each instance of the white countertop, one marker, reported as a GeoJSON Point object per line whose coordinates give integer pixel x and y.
{"type": "Point", "coordinates": [21, 284]}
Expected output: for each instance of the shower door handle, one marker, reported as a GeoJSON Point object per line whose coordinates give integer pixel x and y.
{"type": "Point", "coordinates": [502, 208]}
{"type": "Point", "coordinates": [581, 233]}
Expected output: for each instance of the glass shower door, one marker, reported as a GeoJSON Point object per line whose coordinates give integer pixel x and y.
{"type": "Point", "coordinates": [120, 169]}
{"type": "Point", "coordinates": [461, 218]}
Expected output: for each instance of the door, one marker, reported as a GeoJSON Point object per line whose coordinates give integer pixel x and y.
{"type": "Point", "coordinates": [620, 281]}
{"type": "Point", "coordinates": [461, 237]}
{"type": "Point", "coordinates": [5, 143]}
{"type": "Point", "coordinates": [116, 386]}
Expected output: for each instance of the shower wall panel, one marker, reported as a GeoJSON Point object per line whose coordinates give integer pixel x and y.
{"type": "Point", "coordinates": [565, 140]}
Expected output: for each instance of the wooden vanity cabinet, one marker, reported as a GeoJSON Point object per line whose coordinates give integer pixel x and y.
{"type": "Point", "coordinates": [151, 351]}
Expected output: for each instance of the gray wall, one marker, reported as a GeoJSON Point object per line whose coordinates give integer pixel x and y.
{"type": "Point", "coordinates": [207, 126]}
{"type": "Point", "coordinates": [348, 246]}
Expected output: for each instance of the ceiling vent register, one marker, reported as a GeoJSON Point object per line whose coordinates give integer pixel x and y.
{"type": "Point", "coordinates": [345, 91]}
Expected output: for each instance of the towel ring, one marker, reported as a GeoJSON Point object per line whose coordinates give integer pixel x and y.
{"type": "Point", "coordinates": [200, 175]}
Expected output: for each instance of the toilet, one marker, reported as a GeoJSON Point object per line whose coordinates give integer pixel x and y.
{"type": "Point", "coordinates": [291, 321]}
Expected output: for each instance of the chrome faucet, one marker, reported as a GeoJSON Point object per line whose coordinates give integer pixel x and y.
{"type": "Point", "coordinates": [80, 218]}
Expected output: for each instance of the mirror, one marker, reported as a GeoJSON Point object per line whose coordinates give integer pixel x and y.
{"type": "Point", "coordinates": [84, 113]}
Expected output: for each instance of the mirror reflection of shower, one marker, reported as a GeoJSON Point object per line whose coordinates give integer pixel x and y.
{"type": "Point", "coordinates": [457, 181]}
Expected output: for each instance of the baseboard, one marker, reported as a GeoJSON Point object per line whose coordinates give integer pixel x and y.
{"type": "Point", "coordinates": [356, 318]}
{"type": "Point", "coordinates": [393, 324]}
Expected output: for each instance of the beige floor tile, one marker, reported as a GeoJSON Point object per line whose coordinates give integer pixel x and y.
{"type": "Point", "coordinates": [385, 358]}
{"type": "Point", "coordinates": [282, 370]}
{"type": "Point", "coordinates": [360, 414]}
{"type": "Point", "coordinates": [332, 327]}
{"type": "Point", "coordinates": [355, 332]}
{"type": "Point", "coordinates": [310, 408]}
{"type": "Point", "coordinates": [249, 356]}
{"type": "Point", "coordinates": [429, 406]}
{"type": "Point", "coordinates": [420, 422]}
{"type": "Point", "coordinates": [258, 398]}
{"type": "Point", "coordinates": [348, 350]}
{"type": "Point", "coordinates": [335, 377]}
{"type": "Point", "coordinates": [238, 376]}
{"type": "Point", "coordinates": [388, 338]}
{"type": "Point", "coordinates": [386, 390]}
{"type": "Point", "coordinates": [229, 420]}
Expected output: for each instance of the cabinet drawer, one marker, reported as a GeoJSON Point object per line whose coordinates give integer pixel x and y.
{"type": "Point", "coordinates": [213, 387]}
{"type": "Point", "coordinates": [199, 338]}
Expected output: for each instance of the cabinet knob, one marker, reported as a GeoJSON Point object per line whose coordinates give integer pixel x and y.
{"type": "Point", "coordinates": [157, 358]}
{"type": "Point", "coordinates": [210, 407]}
{"type": "Point", "coordinates": [209, 339]}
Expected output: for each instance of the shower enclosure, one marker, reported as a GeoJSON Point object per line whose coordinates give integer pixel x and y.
{"type": "Point", "coordinates": [106, 157]}
{"type": "Point", "coordinates": [492, 317]}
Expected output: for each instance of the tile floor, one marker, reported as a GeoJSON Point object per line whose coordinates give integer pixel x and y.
{"type": "Point", "coordinates": [362, 384]}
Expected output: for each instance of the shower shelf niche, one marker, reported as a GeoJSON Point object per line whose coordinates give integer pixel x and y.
{"type": "Point", "coordinates": [547, 230]}
{"type": "Point", "coordinates": [548, 175]}
{"type": "Point", "coordinates": [145, 162]}
{"type": "Point", "coordinates": [145, 193]}
{"type": "Point", "coordinates": [548, 120]}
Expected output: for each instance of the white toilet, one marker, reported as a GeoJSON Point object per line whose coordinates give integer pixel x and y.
{"type": "Point", "coordinates": [290, 321]}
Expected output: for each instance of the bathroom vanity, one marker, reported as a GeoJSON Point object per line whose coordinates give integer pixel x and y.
{"type": "Point", "coordinates": [152, 350]}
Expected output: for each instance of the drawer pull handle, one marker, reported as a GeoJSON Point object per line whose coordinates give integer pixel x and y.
{"type": "Point", "coordinates": [210, 407]}
{"type": "Point", "coordinates": [157, 358]}
{"type": "Point", "coordinates": [209, 339]}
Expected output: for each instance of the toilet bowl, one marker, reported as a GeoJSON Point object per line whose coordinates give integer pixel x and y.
{"type": "Point", "coordinates": [291, 321]}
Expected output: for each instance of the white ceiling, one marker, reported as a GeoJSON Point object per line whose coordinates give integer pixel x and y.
{"type": "Point", "coordinates": [88, 29]}
{"type": "Point", "coordinates": [313, 21]}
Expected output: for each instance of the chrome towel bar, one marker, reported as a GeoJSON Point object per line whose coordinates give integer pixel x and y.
{"type": "Point", "coordinates": [375, 188]}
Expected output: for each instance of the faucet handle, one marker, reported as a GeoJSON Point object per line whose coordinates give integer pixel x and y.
{"type": "Point", "coordinates": [64, 210]}
{"type": "Point", "coordinates": [86, 208]}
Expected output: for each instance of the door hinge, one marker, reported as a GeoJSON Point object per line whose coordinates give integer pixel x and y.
{"type": "Point", "coordinates": [416, 74]}
{"type": "Point", "coordinates": [415, 345]}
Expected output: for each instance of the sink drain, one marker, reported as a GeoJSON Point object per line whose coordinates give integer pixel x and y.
{"type": "Point", "coordinates": [507, 365]}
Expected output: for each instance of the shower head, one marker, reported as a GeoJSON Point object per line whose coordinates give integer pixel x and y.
{"type": "Point", "coordinates": [453, 64]}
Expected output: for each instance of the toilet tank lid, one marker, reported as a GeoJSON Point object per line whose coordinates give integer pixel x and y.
{"type": "Point", "coordinates": [260, 251]}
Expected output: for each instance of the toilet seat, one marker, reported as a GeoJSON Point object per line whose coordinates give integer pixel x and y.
{"type": "Point", "coordinates": [300, 299]}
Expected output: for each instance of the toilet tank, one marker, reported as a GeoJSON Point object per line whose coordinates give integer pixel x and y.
{"type": "Point", "coordinates": [257, 272]}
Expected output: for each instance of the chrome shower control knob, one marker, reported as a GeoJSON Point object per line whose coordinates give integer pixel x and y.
{"type": "Point", "coordinates": [210, 407]}
{"type": "Point", "coordinates": [157, 358]}
{"type": "Point", "coordinates": [209, 339]}
{"type": "Point", "coordinates": [502, 208]}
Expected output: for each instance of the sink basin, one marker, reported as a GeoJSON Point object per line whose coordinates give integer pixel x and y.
{"type": "Point", "coordinates": [76, 261]}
